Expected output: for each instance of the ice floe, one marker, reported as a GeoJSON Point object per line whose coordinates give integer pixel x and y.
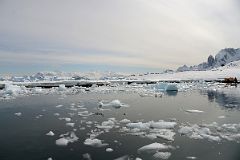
{"type": "Point", "coordinates": [221, 117]}
{"type": "Point", "coordinates": [62, 87]}
{"type": "Point", "coordinates": [194, 111]}
{"type": "Point", "coordinates": [62, 142]}
{"type": "Point", "coordinates": [70, 124]}
{"type": "Point", "coordinates": [125, 121]}
{"type": "Point", "coordinates": [18, 114]}
{"type": "Point", "coordinates": [109, 150]}
{"type": "Point", "coordinates": [85, 113]}
{"type": "Point", "coordinates": [197, 132]}
{"type": "Point", "coordinates": [14, 90]}
{"type": "Point", "coordinates": [95, 142]}
{"type": "Point", "coordinates": [68, 138]}
{"type": "Point", "coordinates": [58, 106]}
{"type": "Point", "coordinates": [115, 104]}
{"type": "Point", "coordinates": [87, 156]}
{"type": "Point", "coordinates": [191, 157]}
{"type": "Point", "coordinates": [50, 133]}
{"type": "Point", "coordinates": [66, 119]}
{"type": "Point", "coordinates": [154, 147]}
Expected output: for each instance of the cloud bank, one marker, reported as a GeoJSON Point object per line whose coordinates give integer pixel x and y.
{"type": "Point", "coordinates": [133, 33]}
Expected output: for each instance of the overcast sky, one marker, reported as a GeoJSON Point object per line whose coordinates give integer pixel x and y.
{"type": "Point", "coordinates": [121, 35]}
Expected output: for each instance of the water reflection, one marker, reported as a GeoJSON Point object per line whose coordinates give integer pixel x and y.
{"type": "Point", "coordinates": [228, 99]}
{"type": "Point", "coordinates": [171, 93]}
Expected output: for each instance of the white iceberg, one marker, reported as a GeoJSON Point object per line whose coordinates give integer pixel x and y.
{"type": "Point", "coordinates": [163, 125]}
{"type": "Point", "coordinates": [70, 124]}
{"type": "Point", "coordinates": [62, 87]}
{"type": "Point", "coordinates": [125, 121]}
{"type": "Point", "coordinates": [14, 89]}
{"type": "Point", "coordinates": [165, 87]}
{"type": "Point", "coordinates": [94, 142]}
{"type": "Point", "coordinates": [50, 133]}
{"type": "Point", "coordinates": [109, 150]}
{"type": "Point", "coordinates": [65, 140]}
{"type": "Point", "coordinates": [62, 142]}
{"type": "Point", "coordinates": [154, 147]}
{"type": "Point", "coordinates": [18, 114]}
{"type": "Point", "coordinates": [194, 111]}
{"type": "Point", "coordinates": [115, 104]}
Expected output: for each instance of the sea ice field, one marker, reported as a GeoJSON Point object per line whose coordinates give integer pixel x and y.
{"type": "Point", "coordinates": [119, 121]}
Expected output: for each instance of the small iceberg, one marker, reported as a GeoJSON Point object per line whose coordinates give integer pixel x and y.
{"type": "Point", "coordinates": [193, 111]}
{"type": "Point", "coordinates": [154, 147]}
{"type": "Point", "coordinates": [171, 87]}
{"type": "Point", "coordinates": [94, 142]}
{"type": "Point", "coordinates": [115, 104]}
{"type": "Point", "coordinates": [65, 140]}
{"type": "Point", "coordinates": [109, 150]}
{"type": "Point", "coordinates": [18, 114]}
{"type": "Point", "coordinates": [50, 133]}
{"type": "Point", "coordinates": [165, 87]}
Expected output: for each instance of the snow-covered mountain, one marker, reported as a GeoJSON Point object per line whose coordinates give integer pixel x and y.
{"type": "Point", "coordinates": [59, 76]}
{"type": "Point", "coordinates": [222, 58]}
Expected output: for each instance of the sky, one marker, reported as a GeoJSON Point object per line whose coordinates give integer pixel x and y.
{"type": "Point", "coordinates": [114, 35]}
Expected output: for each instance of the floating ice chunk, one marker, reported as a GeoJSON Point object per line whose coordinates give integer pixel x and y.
{"type": "Point", "coordinates": [13, 89]}
{"type": "Point", "coordinates": [85, 114]}
{"type": "Point", "coordinates": [115, 104]}
{"type": "Point", "coordinates": [163, 125]}
{"type": "Point", "coordinates": [37, 90]}
{"type": "Point", "coordinates": [56, 114]}
{"type": "Point", "coordinates": [231, 137]}
{"type": "Point", "coordinates": [125, 121]}
{"type": "Point", "coordinates": [154, 147]}
{"type": "Point", "coordinates": [171, 87]}
{"type": "Point", "coordinates": [231, 127]}
{"type": "Point", "coordinates": [89, 122]}
{"type": "Point", "coordinates": [197, 132]}
{"type": "Point", "coordinates": [138, 158]}
{"type": "Point", "coordinates": [166, 134]}
{"type": "Point", "coordinates": [62, 87]}
{"type": "Point", "coordinates": [165, 87]}
{"type": "Point", "coordinates": [109, 124]}
{"type": "Point", "coordinates": [185, 130]}
{"type": "Point", "coordinates": [194, 111]}
{"type": "Point", "coordinates": [65, 140]}
{"type": "Point", "coordinates": [70, 124]}
{"type": "Point", "coordinates": [66, 119]}
{"type": "Point", "coordinates": [94, 142]}
{"type": "Point", "coordinates": [50, 133]}
{"type": "Point", "coordinates": [50, 158]}
{"type": "Point", "coordinates": [18, 114]}
{"type": "Point", "coordinates": [87, 156]}
{"type": "Point", "coordinates": [162, 155]}
{"type": "Point", "coordinates": [58, 106]}
{"type": "Point", "coordinates": [221, 117]}
{"type": "Point", "coordinates": [139, 125]}
{"type": "Point", "coordinates": [39, 116]}
{"type": "Point", "coordinates": [191, 157]}
{"type": "Point", "coordinates": [62, 142]}
{"type": "Point", "coordinates": [109, 150]}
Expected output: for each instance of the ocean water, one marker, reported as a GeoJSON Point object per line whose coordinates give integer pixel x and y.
{"type": "Point", "coordinates": [24, 136]}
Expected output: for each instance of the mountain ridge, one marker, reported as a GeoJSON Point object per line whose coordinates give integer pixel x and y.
{"type": "Point", "coordinates": [222, 58]}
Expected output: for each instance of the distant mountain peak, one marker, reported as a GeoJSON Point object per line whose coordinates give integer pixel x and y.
{"type": "Point", "coordinates": [222, 58]}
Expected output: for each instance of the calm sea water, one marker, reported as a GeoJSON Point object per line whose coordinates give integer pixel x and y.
{"type": "Point", "coordinates": [24, 137]}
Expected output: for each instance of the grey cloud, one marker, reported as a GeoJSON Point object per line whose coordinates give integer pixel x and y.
{"type": "Point", "coordinates": [154, 33]}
